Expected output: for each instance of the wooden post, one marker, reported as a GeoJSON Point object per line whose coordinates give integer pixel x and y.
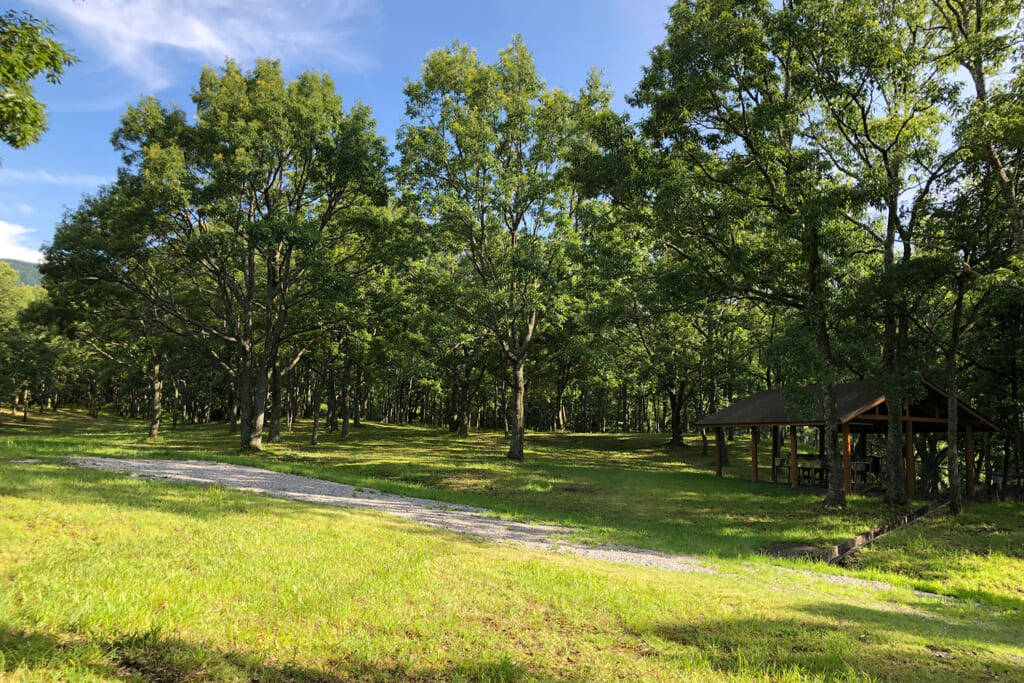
{"type": "Point", "coordinates": [909, 445]}
{"type": "Point", "coordinates": [753, 452]}
{"type": "Point", "coordinates": [776, 449]}
{"type": "Point", "coordinates": [847, 464]}
{"type": "Point", "coordinates": [969, 457]}
{"type": "Point", "coordinates": [718, 451]}
{"type": "Point", "coordinates": [793, 480]}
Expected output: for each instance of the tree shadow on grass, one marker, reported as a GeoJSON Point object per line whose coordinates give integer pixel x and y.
{"type": "Point", "coordinates": [839, 641]}
{"type": "Point", "coordinates": [154, 658]}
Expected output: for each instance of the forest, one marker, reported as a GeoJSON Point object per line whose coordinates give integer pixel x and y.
{"type": "Point", "coordinates": [803, 194]}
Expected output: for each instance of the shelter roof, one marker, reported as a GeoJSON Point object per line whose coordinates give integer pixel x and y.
{"type": "Point", "coordinates": [860, 404]}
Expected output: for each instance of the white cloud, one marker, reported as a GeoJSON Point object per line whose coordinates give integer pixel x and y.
{"type": "Point", "coordinates": [131, 33]}
{"type": "Point", "coordinates": [26, 209]}
{"type": "Point", "coordinates": [10, 236]}
{"type": "Point", "coordinates": [8, 176]}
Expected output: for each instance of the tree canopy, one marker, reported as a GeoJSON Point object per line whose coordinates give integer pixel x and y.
{"type": "Point", "coordinates": [810, 193]}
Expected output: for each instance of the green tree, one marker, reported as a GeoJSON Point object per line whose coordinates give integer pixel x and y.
{"type": "Point", "coordinates": [883, 97]}
{"type": "Point", "coordinates": [482, 155]}
{"type": "Point", "coordinates": [981, 36]}
{"type": "Point", "coordinates": [217, 223]}
{"type": "Point", "coordinates": [734, 187]}
{"type": "Point", "coordinates": [26, 52]}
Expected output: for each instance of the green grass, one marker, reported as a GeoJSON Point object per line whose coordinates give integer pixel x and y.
{"type": "Point", "coordinates": [977, 556]}
{"type": "Point", "coordinates": [630, 490]}
{"type": "Point", "coordinates": [108, 577]}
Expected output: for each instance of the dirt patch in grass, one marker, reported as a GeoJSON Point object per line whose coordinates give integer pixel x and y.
{"type": "Point", "coordinates": [578, 488]}
{"type": "Point", "coordinates": [793, 550]}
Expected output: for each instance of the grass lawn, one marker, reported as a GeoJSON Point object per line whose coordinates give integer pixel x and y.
{"type": "Point", "coordinates": [622, 489]}
{"type": "Point", "coordinates": [108, 577]}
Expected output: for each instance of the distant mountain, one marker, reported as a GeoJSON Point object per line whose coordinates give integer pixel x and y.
{"type": "Point", "coordinates": [27, 272]}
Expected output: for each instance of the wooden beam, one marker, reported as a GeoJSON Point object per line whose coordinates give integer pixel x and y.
{"type": "Point", "coordinates": [718, 451]}
{"type": "Point", "coordinates": [776, 450]}
{"type": "Point", "coordinates": [753, 453]}
{"type": "Point", "coordinates": [793, 481]}
{"type": "Point", "coordinates": [749, 425]}
{"type": "Point", "coordinates": [885, 418]}
{"type": "Point", "coordinates": [847, 464]}
{"type": "Point", "coordinates": [969, 458]}
{"type": "Point", "coordinates": [909, 445]}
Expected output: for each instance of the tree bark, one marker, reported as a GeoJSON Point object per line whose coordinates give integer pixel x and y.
{"type": "Point", "coordinates": [345, 399]}
{"type": "Point", "coordinates": [675, 398]}
{"type": "Point", "coordinates": [259, 413]}
{"type": "Point", "coordinates": [952, 445]}
{"type": "Point", "coordinates": [157, 407]}
{"type": "Point", "coordinates": [357, 405]}
{"type": "Point", "coordinates": [244, 397]}
{"type": "Point", "coordinates": [276, 400]}
{"type": "Point", "coordinates": [518, 427]}
{"type": "Point", "coordinates": [332, 402]}
{"type": "Point", "coordinates": [315, 439]}
{"type": "Point", "coordinates": [895, 464]}
{"type": "Point", "coordinates": [836, 496]}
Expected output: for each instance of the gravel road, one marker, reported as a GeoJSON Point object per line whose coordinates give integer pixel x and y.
{"type": "Point", "coordinates": [461, 519]}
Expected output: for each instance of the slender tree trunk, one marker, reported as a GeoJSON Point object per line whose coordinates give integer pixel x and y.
{"type": "Point", "coordinates": [245, 402]}
{"type": "Point", "coordinates": [259, 410]}
{"type": "Point", "coordinates": [836, 496]}
{"type": "Point", "coordinates": [157, 408]}
{"type": "Point", "coordinates": [345, 399]}
{"type": "Point", "coordinates": [276, 400]}
{"type": "Point", "coordinates": [315, 439]}
{"type": "Point", "coordinates": [675, 399]}
{"type": "Point", "coordinates": [518, 432]}
{"type": "Point", "coordinates": [895, 465]}
{"type": "Point", "coordinates": [560, 418]}
{"type": "Point", "coordinates": [233, 411]}
{"type": "Point", "coordinates": [332, 402]}
{"type": "Point", "coordinates": [357, 406]}
{"type": "Point", "coordinates": [952, 445]}
{"type": "Point", "coordinates": [463, 420]}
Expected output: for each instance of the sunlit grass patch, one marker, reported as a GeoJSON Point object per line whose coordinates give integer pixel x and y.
{"type": "Point", "coordinates": [625, 489]}
{"type": "Point", "coordinates": [977, 556]}
{"type": "Point", "coordinates": [108, 577]}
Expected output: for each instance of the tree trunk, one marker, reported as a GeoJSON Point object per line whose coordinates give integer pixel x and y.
{"type": "Point", "coordinates": [675, 399]}
{"type": "Point", "coordinates": [157, 408]}
{"type": "Point", "coordinates": [518, 431]}
{"type": "Point", "coordinates": [836, 497]}
{"type": "Point", "coordinates": [345, 399]}
{"type": "Point", "coordinates": [952, 445]}
{"type": "Point", "coordinates": [358, 403]}
{"type": "Point", "coordinates": [332, 402]}
{"type": "Point", "coordinates": [276, 400]}
{"type": "Point", "coordinates": [315, 439]}
{"type": "Point", "coordinates": [259, 410]}
{"type": "Point", "coordinates": [244, 397]}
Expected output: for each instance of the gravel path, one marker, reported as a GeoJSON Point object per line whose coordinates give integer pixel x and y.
{"type": "Point", "coordinates": [462, 519]}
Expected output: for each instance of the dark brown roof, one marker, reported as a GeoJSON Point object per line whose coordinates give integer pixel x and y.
{"type": "Point", "coordinates": [769, 407]}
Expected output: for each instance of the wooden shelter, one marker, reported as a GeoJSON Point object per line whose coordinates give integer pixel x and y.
{"type": "Point", "coordinates": [862, 410]}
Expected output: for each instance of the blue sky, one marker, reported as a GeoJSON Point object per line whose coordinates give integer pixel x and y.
{"type": "Point", "coordinates": [132, 48]}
